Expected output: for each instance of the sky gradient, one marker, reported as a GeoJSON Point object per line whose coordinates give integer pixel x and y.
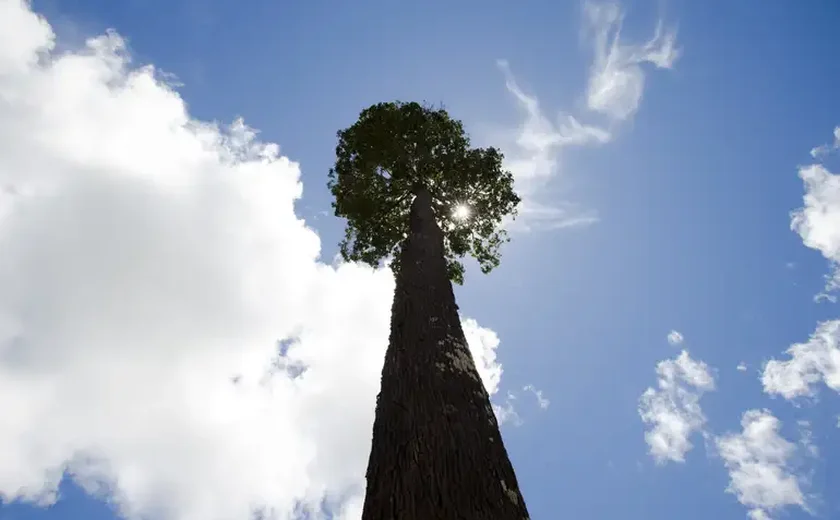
{"type": "Point", "coordinates": [661, 339]}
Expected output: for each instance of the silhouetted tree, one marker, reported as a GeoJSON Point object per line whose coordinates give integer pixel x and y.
{"type": "Point", "coordinates": [412, 189]}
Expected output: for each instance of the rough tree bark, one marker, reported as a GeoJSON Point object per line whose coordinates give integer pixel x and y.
{"type": "Point", "coordinates": [437, 452]}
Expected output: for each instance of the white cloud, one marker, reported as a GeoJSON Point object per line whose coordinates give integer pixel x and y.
{"type": "Point", "coordinates": [506, 411]}
{"type": "Point", "coordinates": [672, 410]}
{"type": "Point", "coordinates": [806, 440]}
{"type": "Point", "coordinates": [818, 222]}
{"type": "Point", "coordinates": [810, 363]}
{"type": "Point", "coordinates": [542, 401]}
{"type": "Point", "coordinates": [759, 464]}
{"type": "Point", "coordinates": [758, 514]}
{"type": "Point", "coordinates": [675, 338]}
{"type": "Point", "coordinates": [483, 343]}
{"type": "Point", "coordinates": [534, 215]}
{"type": "Point", "coordinates": [539, 139]}
{"type": "Point", "coordinates": [825, 149]}
{"type": "Point", "coordinates": [742, 367]}
{"type": "Point", "coordinates": [150, 264]}
{"type": "Point", "coordinates": [531, 154]}
{"type": "Point", "coordinates": [617, 81]}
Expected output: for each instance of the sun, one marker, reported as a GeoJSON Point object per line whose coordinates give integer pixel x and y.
{"type": "Point", "coordinates": [461, 212]}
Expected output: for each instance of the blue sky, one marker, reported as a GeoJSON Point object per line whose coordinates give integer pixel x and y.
{"type": "Point", "coordinates": [667, 212]}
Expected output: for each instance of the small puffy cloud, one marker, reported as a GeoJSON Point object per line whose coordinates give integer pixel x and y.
{"type": "Point", "coordinates": [822, 150]}
{"type": "Point", "coordinates": [672, 410]}
{"type": "Point", "coordinates": [506, 411]}
{"type": "Point", "coordinates": [616, 81]}
{"type": "Point", "coordinates": [818, 221]}
{"type": "Point", "coordinates": [758, 514]}
{"type": "Point", "coordinates": [167, 330]}
{"type": "Point", "coordinates": [808, 364]}
{"type": "Point", "coordinates": [742, 367]}
{"type": "Point", "coordinates": [483, 343]}
{"type": "Point", "coordinates": [818, 224]}
{"type": "Point", "coordinates": [759, 462]}
{"type": "Point", "coordinates": [675, 338]}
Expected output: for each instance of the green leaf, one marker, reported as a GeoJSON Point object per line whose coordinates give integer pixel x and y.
{"type": "Point", "coordinates": [392, 148]}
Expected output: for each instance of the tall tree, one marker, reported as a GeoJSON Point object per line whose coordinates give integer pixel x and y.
{"type": "Point", "coordinates": [413, 191]}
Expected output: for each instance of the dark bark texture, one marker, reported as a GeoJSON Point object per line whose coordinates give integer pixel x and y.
{"type": "Point", "coordinates": [437, 452]}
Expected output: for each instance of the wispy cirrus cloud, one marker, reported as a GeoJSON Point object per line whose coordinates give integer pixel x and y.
{"type": "Point", "coordinates": [617, 80]}
{"type": "Point", "coordinates": [534, 158]}
{"type": "Point", "coordinates": [825, 149]}
{"type": "Point", "coordinates": [615, 85]}
{"type": "Point", "coordinates": [532, 153]}
{"type": "Point", "coordinates": [542, 401]}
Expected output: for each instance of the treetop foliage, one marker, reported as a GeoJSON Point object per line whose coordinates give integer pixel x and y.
{"type": "Point", "coordinates": [396, 148]}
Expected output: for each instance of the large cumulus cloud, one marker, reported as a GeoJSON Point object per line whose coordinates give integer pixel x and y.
{"type": "Point", "coordinates": [150, 265]}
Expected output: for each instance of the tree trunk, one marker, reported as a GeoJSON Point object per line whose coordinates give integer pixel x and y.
{"type": "Point", "coordinates": [437, 452]}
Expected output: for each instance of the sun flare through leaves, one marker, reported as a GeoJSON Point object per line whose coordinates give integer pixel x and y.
{"type": "Point", "coordinates": [461, 212]}
{"type": "Point", "coordinates": [397, 148]}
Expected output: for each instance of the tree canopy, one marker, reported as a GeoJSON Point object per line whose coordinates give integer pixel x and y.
{"type": "Point", "coordinates": [398, 148]}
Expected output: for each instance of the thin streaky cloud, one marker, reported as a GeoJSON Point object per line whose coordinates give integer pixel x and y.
{"type": "Point", "coordinates": [617, 80]}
